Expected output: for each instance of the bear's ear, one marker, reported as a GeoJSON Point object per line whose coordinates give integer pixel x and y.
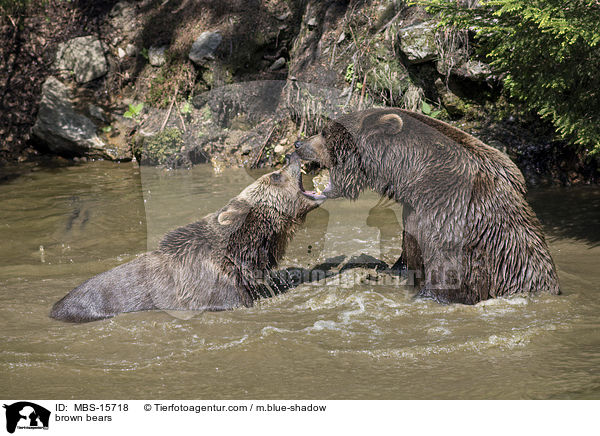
{"type": "Point", "coordinates": [389, 124]}
{"type": "Point", "coordinates": [227, 217]}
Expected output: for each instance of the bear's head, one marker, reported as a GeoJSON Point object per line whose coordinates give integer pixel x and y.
{"type": "Point", "coordinates": [280, 193]}
{"type": "Point", "coordinates": [341, 145]}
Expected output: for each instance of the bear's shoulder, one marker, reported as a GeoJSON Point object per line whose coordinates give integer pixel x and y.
{"type": "Point", "coordinates": [394, 124]}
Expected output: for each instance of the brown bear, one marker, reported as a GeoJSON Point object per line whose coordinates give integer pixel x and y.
{"type": "Point", "coordinates": [216, 263]}
{"type": "Point", "coordinates": [469, 233]}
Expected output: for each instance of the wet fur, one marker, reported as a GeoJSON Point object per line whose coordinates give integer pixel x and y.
{"type": "Point", "coordinates": [468, 230]}
{"type": "Point", "coordinates": [216, 263]}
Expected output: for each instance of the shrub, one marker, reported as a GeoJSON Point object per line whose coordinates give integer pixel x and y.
{"type": "Point", "coordinates": [547, 51]}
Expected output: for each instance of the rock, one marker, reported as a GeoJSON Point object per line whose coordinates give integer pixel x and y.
{"type": "Point", "coordinates": [204, 47]}
{"type": "Point", "coordinates": [84, 56]}
{"type": "Point", "coordinates": [97, 112]}
{"type": "Point", "coordinates": [65, 131]}
{"type": "Point", "coordinates": [246, 149]}
{"type": "Point", "coordinates": [284, 16]}
{"type": "Point", "coordinates": [474, 70]}
{"type": "Point", "coordinates": [279, 149]}
{"type": "Point", "coordinates": [131, 50]}
{"type": "Point", "coordinates": [157, 55]}
{"type": "Point", "coordinates": [454, 105]}
{"type": "Point", "coordinates": [121, 53]}
{"type": "Point", "coordinates": [319, 29]}
{"type": "Point", "coordinates": [417, 42]}
{"type": "Point", "coordinates": [277, 65]}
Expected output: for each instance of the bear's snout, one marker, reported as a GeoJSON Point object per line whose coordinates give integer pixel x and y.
{"type": "Point", "coordinates": [303, 151]}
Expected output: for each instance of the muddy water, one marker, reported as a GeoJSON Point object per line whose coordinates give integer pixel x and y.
{"type": "Point", "coordinates": [350, 337]}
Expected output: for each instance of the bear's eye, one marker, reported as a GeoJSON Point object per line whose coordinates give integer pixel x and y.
{"type": "Point", "coordinates": [276, 177]}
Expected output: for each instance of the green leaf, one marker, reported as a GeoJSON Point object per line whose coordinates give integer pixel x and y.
{"type": "Point", "coordinates": [426, 108]}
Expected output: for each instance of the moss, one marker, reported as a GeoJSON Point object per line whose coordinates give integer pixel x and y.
{"type": "Point", "coordinates": [158, 148]}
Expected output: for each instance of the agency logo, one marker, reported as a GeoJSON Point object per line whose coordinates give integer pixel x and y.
{"type": "Point", "coordinates": [26, 415]}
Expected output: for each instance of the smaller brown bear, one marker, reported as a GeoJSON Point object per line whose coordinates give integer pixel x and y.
{"type": "Point", "coordinates": [469, 233]}
{"type": "Point", "coordinates": [216, 263]}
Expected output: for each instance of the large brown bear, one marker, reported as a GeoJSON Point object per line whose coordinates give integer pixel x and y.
{"type": "Point", "coordinates": [216, 263]}
{"type": "Point", "coordinates": [469, 233]}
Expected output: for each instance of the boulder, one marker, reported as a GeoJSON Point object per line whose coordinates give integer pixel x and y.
{"type": "Point", "coordinates": [61, 128]}
{"type": "Point", "coordinates": [84, 56]}
{"type": "Point", "coordinates": [417, 42]}
{"type": "Point", "coordinates": [204, 47]}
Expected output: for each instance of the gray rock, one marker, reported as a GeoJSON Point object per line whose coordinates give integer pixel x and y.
{"type": "Point", "coordinates": [455, 107]}
{"type": "Point", "coordinates": [204, 47]}
{"type": "Point", "coordinates": [417, 42]}
{"type": "Point", "coordinates": [312, 23]}
{"type": "Point", "coordinates": [474, 70]}
{"type": "Point", "coordinates": [277, 65]}
{"type": "Point", "coordinates": [284, 16]}
{"type": "Point", "coordinates": [157, 55]}
{"type": "Point", "coordinates": [131, 50]}
{"type": "Point", "coordinates": [246, 149]}
{"type": "Point", "coordinates": [279, 149]}
{"type": "Point", "coordinates": [84, 56]}
{"type": "Point", "coordinates": [97, 112]}
{"type": "Point", "coordinates": [61, 128]}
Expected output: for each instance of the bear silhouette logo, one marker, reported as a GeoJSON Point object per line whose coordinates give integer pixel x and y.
{"type": "Point", "coordinates": [24, 414]}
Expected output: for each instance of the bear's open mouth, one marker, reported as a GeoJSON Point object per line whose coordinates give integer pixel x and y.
{"type": "Point", "coordinates": [317, 194]}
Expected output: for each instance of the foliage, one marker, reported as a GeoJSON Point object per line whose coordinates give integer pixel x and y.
{"type": "Point", "coordinates": [349, 76]}
{"type": "Point", "coordinates": [427, 110]}
{"type": "Point", "coordinates": [13, 7]}
{"type": "Point", "coordinates": [134, 110]}
{"type": "Point", "coordinates": [547, 51]}
{"type": "Point", "coordinates": [176, 77]}
{"type": "Point", "coordinates": [186, 108]}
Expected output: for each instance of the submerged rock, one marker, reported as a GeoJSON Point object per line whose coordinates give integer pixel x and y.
{"type": "Point", "coordinates": [204, 47]}
{"type": "Point", "coordinates": [84, 56]}
{"type": "Point", "coordinates": [417, 42]}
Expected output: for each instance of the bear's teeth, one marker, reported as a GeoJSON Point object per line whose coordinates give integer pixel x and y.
{"type": "Point", "coordinates": [321, 181]}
